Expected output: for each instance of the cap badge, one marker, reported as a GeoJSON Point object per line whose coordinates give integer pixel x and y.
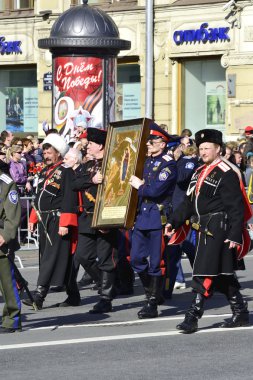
{"type": "Point", "coordinates": [202, 135]}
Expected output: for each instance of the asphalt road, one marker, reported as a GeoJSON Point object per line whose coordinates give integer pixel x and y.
{"type": "Point", "coordinates": [69, 343]}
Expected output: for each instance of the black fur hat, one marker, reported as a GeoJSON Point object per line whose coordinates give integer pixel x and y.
{"type": "Point", "coordinates": [208, 135]}
{"type": "Point", "coordinates": [96, 135]}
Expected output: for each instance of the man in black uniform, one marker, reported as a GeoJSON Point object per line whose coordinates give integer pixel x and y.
{"type": "Point", "coordinates": [96, 250]}
{"type": "Point", "coordinates": [55, 208]}
{"type": "Point", "coordinates": [215, 206]}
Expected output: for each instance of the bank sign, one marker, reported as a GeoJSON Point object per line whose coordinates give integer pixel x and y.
{"type": "Point", "coordinates": [202, 35]}
{"type": "Point", "coordinates": [9, 47]}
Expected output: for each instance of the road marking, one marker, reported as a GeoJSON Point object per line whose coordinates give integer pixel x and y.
{"type": "Point", "coordinates": [116, 337]}
{"type": "Point", "coordinates": [123, 323]}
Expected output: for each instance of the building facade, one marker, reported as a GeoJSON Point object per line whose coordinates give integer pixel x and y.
{"type": "Point", "coordinates": [203, 63]}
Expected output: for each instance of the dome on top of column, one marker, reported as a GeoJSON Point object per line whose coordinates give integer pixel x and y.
{"type": "Point", "coordinates": [85, 27]}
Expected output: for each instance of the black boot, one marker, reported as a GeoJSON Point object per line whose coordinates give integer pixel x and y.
{"type": "Point", "coordinates": [145, 280]}
{"type": "Point", "coordinates": [39, 296]}
{"type": "Point", "coordinates": [95, 273]}
{"type": "Point", "coordinates": [85, 280]}
{"type": "Point", "coordinates": [72, 290]}
{"type": "Point", "coordinates": [125, 278]}
{"type": "Point", "coordinates": [190, 322]}
{"type": "Point", "coordinates": [107, 294]}
{"type": "Point", "coordinates": [239, 309]}
{"type": "Point", "coordinates": [74, 298]}
{"type": "Point", "coordinates": [102, 306]}
{"type": "Point", "coordinates": [154, 292]}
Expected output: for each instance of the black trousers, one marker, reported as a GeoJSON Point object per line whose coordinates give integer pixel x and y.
{"type": "Point", "coordinates": [208, 285]}
{"type": "Point", "coordinates": [101, 248]}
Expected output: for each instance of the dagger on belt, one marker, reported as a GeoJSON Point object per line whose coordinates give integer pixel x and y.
{"type": "Point", "coordinates": [197, 227]}
{"type": "Point", "coordinates": [42, 223]}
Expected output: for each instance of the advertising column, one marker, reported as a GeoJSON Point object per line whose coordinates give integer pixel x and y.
{"type": "Point", "coordinates": [84, 42]}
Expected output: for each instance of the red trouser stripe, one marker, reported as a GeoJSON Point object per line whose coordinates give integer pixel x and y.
{"type": "Point", "coordinates": [207, 285]}
{"type": "Point", "coordinates": [162, 264]}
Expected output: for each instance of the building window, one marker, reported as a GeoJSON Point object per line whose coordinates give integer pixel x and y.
{"type": "Point", "coordinates": [128, 91]}
{"type": "Point", "coordinates": [203, 95]}
{"type": "Point", "coordinates": [22, 4]}
{"type": "Point", "coordinates": [16, 4]}
{"type": "Point", "coordinates": [80, 2]}
{"type": "Point", "coordinates": [18, 100]}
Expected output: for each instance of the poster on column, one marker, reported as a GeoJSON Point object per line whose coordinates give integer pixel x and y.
{"type": "Point", "coordinates": [21, 109]}
{"type": "Point", "coordinates": [216, 105]}
{"type": "Point", "coordinates": [77, 94]}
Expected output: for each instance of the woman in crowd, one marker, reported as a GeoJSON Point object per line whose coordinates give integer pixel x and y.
{"type": "Point", "coordinates": [19, 175]}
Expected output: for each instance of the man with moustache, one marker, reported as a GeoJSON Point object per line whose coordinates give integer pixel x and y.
{"type": "Point", "coordinates": [217, 209]}
{"type": "Point", "coordinates": [55, 209]}
{"type": "Point", "coordinates": [96, 250]}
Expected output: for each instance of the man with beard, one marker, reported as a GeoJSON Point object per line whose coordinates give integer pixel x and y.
{"type": "Point", "coordinates": [96, 250]}
{"type": "Point", "coordinates": [55, 209]}
{"type": "Point", "coordinates": [216, 208]}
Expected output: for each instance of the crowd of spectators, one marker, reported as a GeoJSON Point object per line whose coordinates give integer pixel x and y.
{"type": "Point", "coordinates": [22, 158]}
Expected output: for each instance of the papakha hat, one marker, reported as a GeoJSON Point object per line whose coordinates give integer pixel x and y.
{"type": "Point", "coordinates": [96, 135]}
{"type": "Point", "coordinates": [208, 135]}
{"type": "Point", "coordinates": [57, 142]}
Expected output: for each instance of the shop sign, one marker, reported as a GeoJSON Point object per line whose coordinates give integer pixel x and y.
{"type": "Point", "coordinates": [47, 81]}
{"type": "Point", "coordinates": [203, 34]}
{"type": "Point", "coordinates": [9, 47]}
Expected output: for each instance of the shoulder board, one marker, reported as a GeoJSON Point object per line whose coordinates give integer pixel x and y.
{"type": "Point", "coordinates": [6, 178]}
{"type": "Point", "coordinates": [223, 166]}
{"type": "Point", "coordinates": [167, 158]}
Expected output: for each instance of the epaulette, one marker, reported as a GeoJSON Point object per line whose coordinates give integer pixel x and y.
{"type": "Point", "coordinates": [6, 178]}
{"type": "Point", "coordinates": [167, 158]}
{"type": "Point", "coordinates": [223, 166]}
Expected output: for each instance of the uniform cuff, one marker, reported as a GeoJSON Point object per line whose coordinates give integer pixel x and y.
{"type": "Point", "coordinates": [68, 220]}
{"type": "Point", "coordinates": [33, 217]}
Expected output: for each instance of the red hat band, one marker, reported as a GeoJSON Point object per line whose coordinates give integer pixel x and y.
{"type": "Point", "coordinates": [157, 133]}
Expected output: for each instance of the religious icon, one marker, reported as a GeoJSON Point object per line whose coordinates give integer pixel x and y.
{"type": "Point", "coordinates": [125, 153]}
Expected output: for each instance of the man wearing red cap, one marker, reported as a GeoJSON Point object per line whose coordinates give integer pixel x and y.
{"type": "Point", "coordinates": [155, 192]}
{"type": "Point", "coordinates": [248, 131]}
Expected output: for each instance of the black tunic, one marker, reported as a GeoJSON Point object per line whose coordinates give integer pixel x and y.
{"type": "Point", "coordinates": [93, 246]}
{"type": "Point", "coordinates": [57, 205]}
{"type": "Point", "coordinates": [82, 182]}
{"type": "Point", "coordinates": [216, 201]}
